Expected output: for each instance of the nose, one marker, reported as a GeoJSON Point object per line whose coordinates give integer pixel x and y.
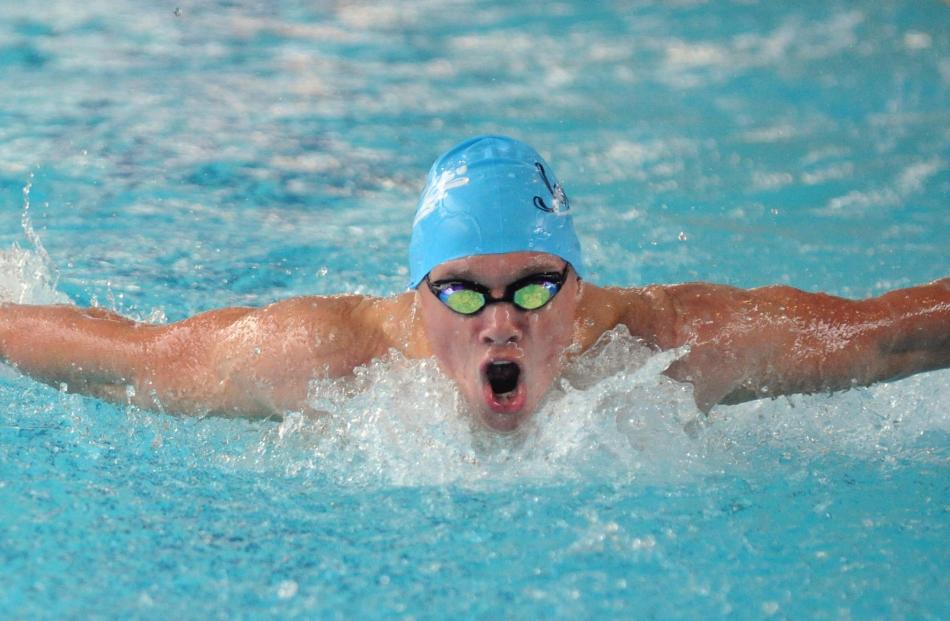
{"type": "Point", "coordinates": [502, 325]}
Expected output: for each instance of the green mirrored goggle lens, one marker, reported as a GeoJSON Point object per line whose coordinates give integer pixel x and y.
{"type": "Point", "coordinates": [528, 294]}
{"type": "Point", "coordinates": [464, 301]}
{"type": "Point", "coordinates": [533, 296]}
{"type": "Point", "coordinates": [529, 297]}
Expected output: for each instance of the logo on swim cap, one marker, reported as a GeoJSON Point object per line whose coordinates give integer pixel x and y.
{"type": "Point", "coordinates": [559, 203]}
{"type": "Point", "coordinates": [436, 191]}
{"type": "Point", "coordinates": [490, 195]}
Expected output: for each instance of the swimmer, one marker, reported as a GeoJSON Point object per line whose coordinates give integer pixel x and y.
{"type": "Point", "coordinates": [498, 296]}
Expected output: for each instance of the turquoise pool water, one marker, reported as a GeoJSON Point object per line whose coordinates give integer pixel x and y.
{"type": "Point", "coordinates": [161, 162]}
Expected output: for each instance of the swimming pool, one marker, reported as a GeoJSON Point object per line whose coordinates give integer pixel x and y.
{"type": "Point", "coordinates": [162, 162]}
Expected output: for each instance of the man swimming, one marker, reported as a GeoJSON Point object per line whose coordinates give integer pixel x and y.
{"type": "Point", "coordinates": [497, 297]}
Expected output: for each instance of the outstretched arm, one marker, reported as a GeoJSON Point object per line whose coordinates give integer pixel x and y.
{"type": "Point", "coordinates": [234, 361]}
{"type": "Point", "coordinates": [747, 344]}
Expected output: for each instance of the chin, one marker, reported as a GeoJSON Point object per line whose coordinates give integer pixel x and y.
{"type": "Point", "coordinates": [504, 419]}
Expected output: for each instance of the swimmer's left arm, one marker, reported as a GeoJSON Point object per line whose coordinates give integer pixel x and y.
{"type": "Point", "coordinates": [748, 344]}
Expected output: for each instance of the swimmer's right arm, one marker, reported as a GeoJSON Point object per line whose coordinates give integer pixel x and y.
{"type": "Point", "coordinates": [232, 361]}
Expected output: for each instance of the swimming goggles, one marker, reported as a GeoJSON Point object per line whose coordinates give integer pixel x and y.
{"type": "Point", "coordinates": [470, 298]}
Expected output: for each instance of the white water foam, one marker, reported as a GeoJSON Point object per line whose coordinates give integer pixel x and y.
{"type": "Point", "coordinates": [25, 278]}
{"type": "Point", "coordinates": [613, 417]}
{"type": "Point", "coordinates": [403, 422]}
{"type": "Point", "coordinates": [28, 277]}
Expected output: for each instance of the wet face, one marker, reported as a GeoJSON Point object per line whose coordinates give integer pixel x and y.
{"type": "Point", "coordinates": [503, 359]}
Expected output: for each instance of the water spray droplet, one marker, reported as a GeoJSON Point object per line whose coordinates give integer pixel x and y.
{"type": "Point", "coordinates": [287, 589]}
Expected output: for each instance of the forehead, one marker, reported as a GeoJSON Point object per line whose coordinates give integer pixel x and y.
{"type": "Point", "coordinates": [501, 268]}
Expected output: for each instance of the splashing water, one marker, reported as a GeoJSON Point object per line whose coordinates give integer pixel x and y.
{"type": "Point", "coordinates": [613, 417]}
{"type": "Point", "coordinates": [25, 278]}
{"type": "Point", "coordinates": [403, 422]}
{"type": "Point", "coordinates": [28, 277]}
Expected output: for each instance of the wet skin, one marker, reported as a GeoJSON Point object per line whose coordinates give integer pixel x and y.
{"type": "Point", "coordinates": [533, 340]}
{"type": "Point", "coordinates": [743, 344]}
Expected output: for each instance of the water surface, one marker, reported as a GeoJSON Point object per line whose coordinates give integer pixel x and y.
{"type": "Point", "coordinates": [235, 152]}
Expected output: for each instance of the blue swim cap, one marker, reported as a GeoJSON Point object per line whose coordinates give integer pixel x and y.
{"type": "Point", "coordinates": [490, 195]}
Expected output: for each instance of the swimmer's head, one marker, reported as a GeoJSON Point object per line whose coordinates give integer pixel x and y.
{"type": "Point", "coordinates": [495, 262]}
{"type": "Point", "coordinates": [490, 195]}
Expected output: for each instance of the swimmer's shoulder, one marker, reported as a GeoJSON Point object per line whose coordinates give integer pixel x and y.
{"type": "Point", "coordinates": [374, 324]}
{"type": "Point", "coordinates": [670, 315]}
{"type": "Point", "coordinates": [654, 313]}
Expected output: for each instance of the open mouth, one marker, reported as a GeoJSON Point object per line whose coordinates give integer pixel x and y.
{"type": "Point", "coordinates": [504, 392]}
{"type": "Point", "coordinates": [503, 376]}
